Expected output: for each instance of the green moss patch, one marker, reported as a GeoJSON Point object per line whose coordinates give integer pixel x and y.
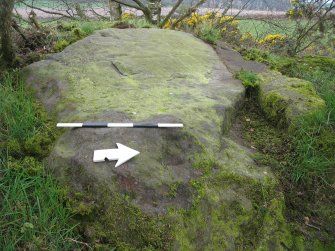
{"type": "Point", "coordinates": [284, 99]}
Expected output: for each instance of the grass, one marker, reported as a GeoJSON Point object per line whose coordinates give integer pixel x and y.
{"type": "Point", "coordinates": [259, 28]}
{"type": "Point", "coordinates": [209, 34]}
{"type": "Point", "coordinates": [311, 197]}
{"type": "Point", "coordinates": [66, 33]}
{"type": "Point", "coordinates": [33, 210]}
{"type": "Point", "coordinates": [25, 129]}
{"type": "Point", "coordinates": [248, 78]}
{"type": "Point", "coordinates": [315, 134]}
{"type": "Point", "coordinates": [19, 112]}
{"type": "Point", "coordinates": [140, 23]}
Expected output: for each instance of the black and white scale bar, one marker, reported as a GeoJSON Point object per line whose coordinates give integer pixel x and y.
{"type": "Point", "coordinates": [118, 125]}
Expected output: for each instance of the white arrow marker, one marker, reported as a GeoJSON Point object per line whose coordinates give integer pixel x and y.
{"type": "Point", "coordinates": [122, 154]}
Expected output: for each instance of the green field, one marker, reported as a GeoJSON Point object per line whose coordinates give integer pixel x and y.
{"type": "Point", "coordinates": [260, 29]}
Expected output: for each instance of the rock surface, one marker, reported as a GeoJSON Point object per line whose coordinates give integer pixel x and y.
{"type": "Point", "coordinates": [235, 62]}
{"type": "Point", "coordinates": [284, 99]}
{"type": "Point", "coordinates": [190, 188]}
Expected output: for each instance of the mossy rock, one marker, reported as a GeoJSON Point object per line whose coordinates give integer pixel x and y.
{"type": "Point", "coordinates": [190, 188]}
{"type": "Point", "coordinates": [284, 99]}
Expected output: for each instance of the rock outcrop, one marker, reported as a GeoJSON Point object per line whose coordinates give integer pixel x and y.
{"type": "Point", "coordinates": [281, 98]}
{"type": "Point", "coordinates": [284, 99]}
{"type": "Point", "coordinates": [190, 188]}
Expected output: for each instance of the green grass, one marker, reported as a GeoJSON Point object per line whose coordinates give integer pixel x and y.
{"type": "Point", "coordinates": [259, 29]}
{"type": "Point", "coordinates": [289, 28]}
{"type": "Point", "coordinates": [58, 4]}
{"type": "Point", "coordinates": [139, 23]}
{"type": "Point", "coordinates": [25, 129]}
{"type": "Point", "coordinates": [248, 78]}
{"type": "Point", "coordinates": [33, 211]}
{"type": "Point", "coordinates": [19, 112]}
{"type": "Point", "coordinates": [315, 134]}
{"type": "Point", "coordinates": [314, 142]}
{"type": "Point", "coordinates": [66, 33]}
{"type": "Point", "coordinates": [209, 33]}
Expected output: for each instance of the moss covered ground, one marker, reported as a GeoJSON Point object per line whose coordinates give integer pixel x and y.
{"type": "Point", "coordinates": [314, 132]}
{"type": "Point", "coordinates": [303, 156]}
{"type": "Point", "coordinates": [309, 202]}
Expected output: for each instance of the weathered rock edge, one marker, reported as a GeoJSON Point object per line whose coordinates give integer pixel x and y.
{"type": "Point", "coordinates": [190, 189]}
{"type": "Point", "coordinates": [281, 98]}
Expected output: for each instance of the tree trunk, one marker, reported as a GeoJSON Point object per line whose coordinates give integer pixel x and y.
{"type": "Point", "coordinates": [115, 11]}
{"type": "Point", "coordinates": [80, 11]}
{"type": "Point", "coordinates": [7, 47]}
{"type": "Point", "coordinates": [33, 19]}
{"type": "Point", "coordinates": [155, 9]}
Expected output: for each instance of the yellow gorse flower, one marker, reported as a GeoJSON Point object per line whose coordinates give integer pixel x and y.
{"type": "Point", "coordinates": [247, 36]}
{"type": "Point", "coordinates": [127, 16]}
{"type": "Point", "coordinates": [225, 23]}
{"type": "Point", "coordinates": [272, 39]}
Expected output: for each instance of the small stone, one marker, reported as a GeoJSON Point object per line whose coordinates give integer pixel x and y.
{"type": "Point", "coordinates": [306, 220]}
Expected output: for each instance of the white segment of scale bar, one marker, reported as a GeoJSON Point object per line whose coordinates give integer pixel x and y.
{"type": "Point", "coordinates": [70, 125]}
{"type": "Point", "coordinates": [120, 125]}
{"type": "Point", "coordinates": [169, 125]}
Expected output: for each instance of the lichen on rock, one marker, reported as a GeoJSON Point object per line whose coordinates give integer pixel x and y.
{"type": "Point", "coordinates": [190, 188]}
{"type": "Point", "coordinates": [284, 99]}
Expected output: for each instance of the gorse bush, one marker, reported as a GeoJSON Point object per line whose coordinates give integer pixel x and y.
{"type": "Point", "coordinates": [272, 39]}
{"type": "Point", "coordinates": [210, 27]}
{"type": "Point", "coordinates": [127, 16]}
{"type": "Point", "coordinates": [273, 42]}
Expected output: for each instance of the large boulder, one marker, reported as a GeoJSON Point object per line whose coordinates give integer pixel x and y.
{"type": "Point", "coordinates": [189, 189]}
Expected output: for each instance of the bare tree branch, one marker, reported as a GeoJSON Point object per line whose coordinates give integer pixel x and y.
{"type": "Point", "coordinates": [140, 4]}
{"type": "Point", "coordinates": [175, 7]}
{"type": "Point", "coordinates": [128, 4]}
{"type": "Point", "coordinates": [188, 13]}
{"type": "Point", "coordinates": [47, 11]}
{"type": "Point", "coordinates": [98, 15]}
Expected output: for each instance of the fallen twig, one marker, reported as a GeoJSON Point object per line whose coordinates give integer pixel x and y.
{"type": "Point", "coordinates": [79, 242]}
{"type": "Point", "coordinates": [310, 225]}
